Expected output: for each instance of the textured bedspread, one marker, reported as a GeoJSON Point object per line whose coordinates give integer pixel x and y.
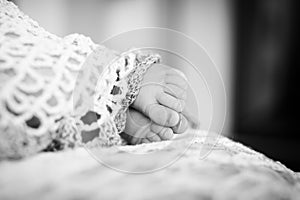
{"type": "Point", "coordinates": [164, 170]}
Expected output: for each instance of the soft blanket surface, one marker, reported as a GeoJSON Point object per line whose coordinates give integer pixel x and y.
{"type": "Point", "coordinates": [164, 170]}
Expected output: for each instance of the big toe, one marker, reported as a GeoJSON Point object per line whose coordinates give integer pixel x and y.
{"type": "Point", "coordinates": [171, 101]}
{"type": "Point", "coordinates": [175, 91]}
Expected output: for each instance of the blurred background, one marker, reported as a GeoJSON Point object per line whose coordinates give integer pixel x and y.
{"type": "Point", "coordinates": [253, 44]}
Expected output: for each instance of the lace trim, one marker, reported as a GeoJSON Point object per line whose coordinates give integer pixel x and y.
{"type": "Point", "coordinates": [37, 78]}
{"type": "Point", "coordinates": [118, 101]}
{"type": "Point", "coordinates": [143, 62]}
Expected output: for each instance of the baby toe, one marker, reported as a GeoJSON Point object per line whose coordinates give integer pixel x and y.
{"type": "Point", "coordinates": [145, 140]}
{"type": "Point", "coordinates": [176, 80]}
{"type": "Point", "coordinates": [171, 102]}
{"type": "Point", "coordinates": [163, 132]}
{"type": "Point", "coordinates": [139, 135]}
{"type": "Point", "coordinates": [173, 71]}
{"type": "Point", "coordinates": [153, 137]}
{"type": "Point", "coordinates": [175, 91]}
{"type": "Point", "coordinates": [173, 117]}
{"type": "Point", "coordinates": [162, 115]}
{"type": "Point", "coordinates": [182, 126]}
{"type": "Point", "coordinates": [135, 140]}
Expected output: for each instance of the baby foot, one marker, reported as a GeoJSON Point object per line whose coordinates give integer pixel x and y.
{"type": "Point", "coordinates": [162, 95]}
{"type": "Point", "coordinates": [139, 129]}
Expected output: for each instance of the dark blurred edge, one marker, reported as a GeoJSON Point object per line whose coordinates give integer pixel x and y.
{"type": "Point", "coordinates": [266, 95]}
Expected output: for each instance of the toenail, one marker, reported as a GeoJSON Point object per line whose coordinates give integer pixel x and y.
{"type": "Point", "coordinates": [173, 119]}
{"type": "Point", "coordinates": [178, 125]}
